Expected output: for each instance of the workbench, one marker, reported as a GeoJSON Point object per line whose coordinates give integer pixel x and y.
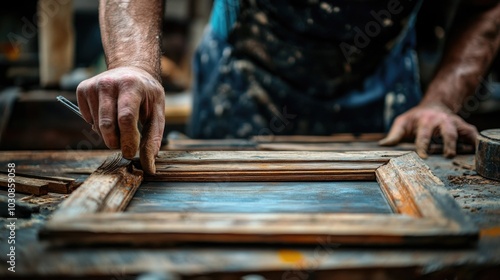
{"type": "Point", "coordinates": [478, 197]}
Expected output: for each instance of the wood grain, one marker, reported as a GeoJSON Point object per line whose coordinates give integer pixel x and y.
{"type": "Point", "coordinates": [107, 189]}
{"type": "Point", "coordinates": [211, 166]}
{"type": "Point", "coordinates": [488, 154]}
{"type": "Point", "coordinates": [340, 137]}
{"type": "Point", "coordinates": [161, 228]}
{"type": "Point", "coordinates": [197, 157]}
{"type": "Point", "coordinates": [26, 185]}
{"type": "Point", "coordinates": [426, 216]}
{"type": "Point", "coordinates": [337, 142]}
{"type": "Point", "coordinates": [56, 184]}
{"type": "Point", "coordinates": [55, 163]}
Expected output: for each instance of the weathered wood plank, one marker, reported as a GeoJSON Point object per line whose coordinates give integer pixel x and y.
{"type": "Point", "coordinates": [199, 157]}
{"type": "Point", "coordinates": [148, 228]}
{"type": "Point", "coordinates": [336, 142]}
{"type": "Point", "coordinates": [56, 184]}
{"type": "Point", "coordinates": [340, 137]}
{"type": "Point", "coordinates": [429, 194]}
{"type": "Point", "coordinates": [414, 179]}
{"type": "Point", "coordinates": [395, 190]}
{"type": "Point", "coordinates": [107, 189]}
{"type": "Point", "coordinates": [267, 166]}
{"type": "Point", "coordinates": [272, 176]}
{"type": "Point", "coordinates": [25, 185]}
{"type": "Point", "coordinates": [55, 163]}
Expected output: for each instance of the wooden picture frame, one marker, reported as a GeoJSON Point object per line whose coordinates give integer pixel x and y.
{"type": "Point", "coordinates": [424, 213]}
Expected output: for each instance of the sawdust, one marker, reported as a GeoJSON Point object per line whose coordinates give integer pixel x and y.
{"type": "Point", "coordinates": [471, 180]}
{"type": "Point", "coordinates": [48, 199]}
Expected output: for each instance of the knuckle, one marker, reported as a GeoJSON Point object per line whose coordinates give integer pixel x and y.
{"type": "Point", "coordinates": [400, 120]}
{"type": "Point", "coordinates": [449, 134]}
{"type": "Point", "coordinates": [105, 83]}
{"type": "Point", "coordinates": [106, 125]}
{"type": "Point", "coordinates": [128, 81]}
{"type": "Point", "coordinates": [470, 127]}
{"type": "Point", "coordinates": [82, 89]}
{"type": "Point", "coordinates": [425, 132]}
{"type": "Point", "coordinates": [126, 118]}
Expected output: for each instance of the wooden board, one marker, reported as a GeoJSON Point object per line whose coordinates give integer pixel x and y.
{"type": "Point", "coordinates": [336, 142]}
{"type": "Point", "coordinates": [422, 213]}
{"type": "Point", "coordinates": [25, 185]}
{"type": "Point", "coordinates": [54, 184]}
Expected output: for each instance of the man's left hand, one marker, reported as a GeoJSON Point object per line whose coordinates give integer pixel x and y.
{"type": "Point", "coordinates": [425, 121]}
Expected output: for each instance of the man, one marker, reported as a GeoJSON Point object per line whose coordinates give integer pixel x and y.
{"type": "Point", "coordinates": [318, 67]}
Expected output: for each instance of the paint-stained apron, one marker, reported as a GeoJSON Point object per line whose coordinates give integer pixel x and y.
{"type": "Point", "coordinates": [281, 67]}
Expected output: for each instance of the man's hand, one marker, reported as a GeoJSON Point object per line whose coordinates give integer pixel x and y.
{"type": "Point", "coordinates": [115, 101]}
{"type": "Point", "coordinates": [425, 121]}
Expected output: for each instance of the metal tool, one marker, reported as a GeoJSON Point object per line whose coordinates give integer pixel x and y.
{"type": "Point", "coordinates": [70, 105]}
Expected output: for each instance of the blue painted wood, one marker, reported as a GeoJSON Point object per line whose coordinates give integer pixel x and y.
{"type": "Point", "coordinates": [258, 197]}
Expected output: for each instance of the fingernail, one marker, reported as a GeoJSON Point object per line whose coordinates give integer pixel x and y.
{"type": "Point", "coordinates": [152, 167]}
{"type": "Point", "coordinates": [127, 153]}
{"type": "Point", "coordinates": [449, 154]}
{"type": "Point", "coordinates": [422, 154]}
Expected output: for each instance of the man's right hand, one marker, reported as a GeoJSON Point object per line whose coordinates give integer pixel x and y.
{"type": "Point", "coordinates": [115, 101]}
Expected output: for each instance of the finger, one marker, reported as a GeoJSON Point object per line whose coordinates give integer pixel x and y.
{"type": "Point", "coordinates": [82, 91]}
{"type": "Point", "coordinates": [128, 114]}
{"type": "Point", "coordinates": [467, 131]}
{"type": "Point", "coordinates": [396, 134]}
{"type": "Point", "coordinates": [152, 134]}
{"type": "Point", "coordinates": [107, 116]}
{"type": "Point", "coordinates": [423, 138]}
{"type": "Point", "coordinates": [449, 133]}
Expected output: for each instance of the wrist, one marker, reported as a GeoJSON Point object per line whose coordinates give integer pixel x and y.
{"type": "Point", "coordinates": [447, 93]}
{"type": "Point", "coordinates": [147, 67]}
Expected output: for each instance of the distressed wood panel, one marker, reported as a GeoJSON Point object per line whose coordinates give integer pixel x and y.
{"type": "Point", "coordinates": [260, 197]}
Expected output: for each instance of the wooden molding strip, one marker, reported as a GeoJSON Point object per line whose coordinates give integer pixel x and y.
{"type": "Point", "coordinates": [108, 189]}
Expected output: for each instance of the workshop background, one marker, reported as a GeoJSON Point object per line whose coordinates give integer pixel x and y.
{"type": "Point", "coordinates": [43, 56]}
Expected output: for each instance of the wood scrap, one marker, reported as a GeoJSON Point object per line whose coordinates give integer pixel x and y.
{"type": "Point", "coordinates": [56, 184]}
{"type": "Point", "coordinates": [25, 185]}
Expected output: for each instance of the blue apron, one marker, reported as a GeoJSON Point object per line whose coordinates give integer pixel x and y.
{"type": "Point", "coordinates": [279, 67]}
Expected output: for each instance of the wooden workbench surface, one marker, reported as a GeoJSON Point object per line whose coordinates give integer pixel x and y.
{"type": "Point", "coordinates": [478, 197]}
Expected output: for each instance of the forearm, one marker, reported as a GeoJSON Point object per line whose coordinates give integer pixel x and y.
{"type": "Point", "coordinates": [130, 32]}
{"type": "Point", "coordinates": [467, 59]}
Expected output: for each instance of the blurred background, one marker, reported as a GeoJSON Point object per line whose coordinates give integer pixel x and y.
{"type": "Point", "coordinates": [43, 55]}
